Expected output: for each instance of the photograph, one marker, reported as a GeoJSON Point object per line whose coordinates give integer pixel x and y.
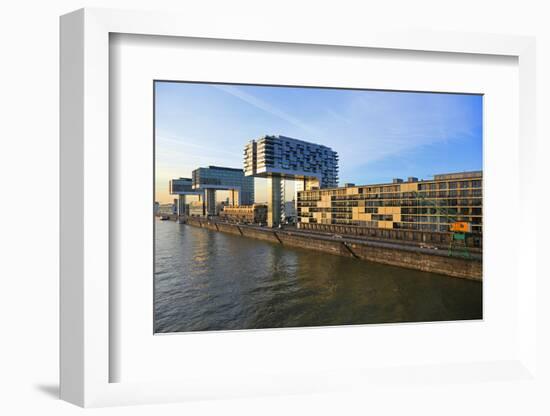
{"type": "Point", "coordinates": [279, 206]}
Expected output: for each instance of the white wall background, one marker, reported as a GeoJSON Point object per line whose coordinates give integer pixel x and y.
{"type": "Point", "coordinates": [29, 199]}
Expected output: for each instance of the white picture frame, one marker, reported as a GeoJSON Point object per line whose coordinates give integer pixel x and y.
{"type": "Point", "coordinates": [85, 217]}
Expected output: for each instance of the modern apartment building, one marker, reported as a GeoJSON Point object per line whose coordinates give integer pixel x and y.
{"type": "Point", "coordinates": [280, 158]}
{"type": "Point", "coordinates": [426, 205]}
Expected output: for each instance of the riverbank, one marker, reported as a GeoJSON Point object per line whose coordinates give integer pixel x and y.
{"type": "Point", "coordinates": [384, 252]}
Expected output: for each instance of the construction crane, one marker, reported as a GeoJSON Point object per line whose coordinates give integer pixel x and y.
{"type": "Point", "coordinates": [459, 229]}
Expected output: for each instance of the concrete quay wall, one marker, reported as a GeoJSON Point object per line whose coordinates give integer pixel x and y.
{"type": "Point", "coordinates": [442, 264]}
{"type": "Point", "coordinates": [260, 234]}
{"type": "Point", "coordinates": [229, 228]}
{"type": "Point", "coordinates": [394, 255]}
{"type": "Point", "coordinates": [312, 243]}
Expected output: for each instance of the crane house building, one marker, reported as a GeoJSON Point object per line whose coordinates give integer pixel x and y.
{"type": "Point", "coordinates": [449, 202]}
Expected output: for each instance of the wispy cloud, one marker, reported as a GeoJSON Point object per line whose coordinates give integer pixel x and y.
{"type": "Point", "coordinates": [184, 143]}
{"type": "Point", "coordinates": [387, 126]}
{"type": "Point", "coordinates": [265, 106]}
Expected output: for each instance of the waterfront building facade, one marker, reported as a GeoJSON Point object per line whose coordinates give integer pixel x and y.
{"type": "Point", "coordinates": [280, 158]}
{"type": "Point", "coordinates": [425, 205]}
{"type": "Point", "coordinates": [251, 214]}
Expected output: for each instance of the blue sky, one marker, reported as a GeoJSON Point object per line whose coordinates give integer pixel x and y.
{"type": "Point", "coordinates": [378, 135]}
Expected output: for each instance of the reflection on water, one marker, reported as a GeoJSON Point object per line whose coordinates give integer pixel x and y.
{"type": "Point", "coordinates": [206, 280]}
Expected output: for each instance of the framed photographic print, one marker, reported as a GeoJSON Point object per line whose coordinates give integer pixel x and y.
{"type": "Point", "coordinates": [282, 213]}
{"type": "Point", "coordinates": [394, 250]}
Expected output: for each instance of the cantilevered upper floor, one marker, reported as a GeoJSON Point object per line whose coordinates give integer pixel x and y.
{"type": "Point", "coordinates": [224, 178]}
{"type": "Point", "coordinates": [291, 158]}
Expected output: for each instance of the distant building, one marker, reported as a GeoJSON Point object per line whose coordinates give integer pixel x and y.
{"type": "Point", "coordinates": [166, 209]}
{"type": "Point", "coordinates": [253, 214]}
{"type": "Point", "coordinates": [196, 209]}
{"type": "Point", "coordinates": [427, 205]}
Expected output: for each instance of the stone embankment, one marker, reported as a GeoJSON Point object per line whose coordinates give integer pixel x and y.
{"type": "Point", "coordinates": [389, 252]}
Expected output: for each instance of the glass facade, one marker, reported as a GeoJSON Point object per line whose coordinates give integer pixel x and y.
{"type": "Point", "coordinates": [222, 178]}
{"type": "Point", "coordinates": [181, 185]}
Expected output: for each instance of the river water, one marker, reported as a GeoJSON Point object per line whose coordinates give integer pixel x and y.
{"type": "Point", "coordinates": [207, 280]}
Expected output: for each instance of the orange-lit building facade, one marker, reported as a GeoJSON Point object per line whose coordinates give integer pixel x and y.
{"type": "Point", "coordinates": [426, 205]}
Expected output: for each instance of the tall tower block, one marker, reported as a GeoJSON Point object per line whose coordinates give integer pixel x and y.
{"type": "Point", "coordinates": [279, 157]}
